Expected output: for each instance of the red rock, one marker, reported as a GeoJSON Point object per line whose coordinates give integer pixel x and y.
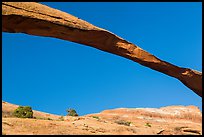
{"type": "Point", "coordinates": [37, 19]}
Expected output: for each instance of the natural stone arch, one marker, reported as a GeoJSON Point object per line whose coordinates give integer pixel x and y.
{"type": "Point", "coordinates": [37, 19]}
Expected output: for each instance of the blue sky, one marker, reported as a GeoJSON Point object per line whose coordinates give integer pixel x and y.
{"type": "Point", "coordinates": [51, 75]}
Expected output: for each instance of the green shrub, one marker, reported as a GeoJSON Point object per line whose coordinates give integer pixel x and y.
{"type": "Point", "coordinates": [122, 122]}
{"type": "Point", "coordinates": [23, 112]}
{"type": "Point", "coordinates": [71, 112]}
{"type": "Point", "coordinates": [96, 117]}
{"type": "Point", "coordinates": [43, 118]}
{"type": "Point", "coordinates": [49, 118]}
{"type": "Point", "coordinates": [148, 125]}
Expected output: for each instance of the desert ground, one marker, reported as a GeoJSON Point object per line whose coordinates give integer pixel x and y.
{"type": "Point", "coordinates": [170, 120]}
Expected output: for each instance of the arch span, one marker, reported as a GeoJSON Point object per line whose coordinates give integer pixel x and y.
{"type": "Point", "coordinates": [37, 19]}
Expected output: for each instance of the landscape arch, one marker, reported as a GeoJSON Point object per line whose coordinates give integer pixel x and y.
{"type": "Point", "coordinates": [36, 19]}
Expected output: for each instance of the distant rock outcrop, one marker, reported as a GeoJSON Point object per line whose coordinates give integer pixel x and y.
{"type": "Point", "coordinates": [37, 19]}
{"type": "Point", "coordinates": [165, 120]}
{"type": "Point", "coordinates": [187, 113]}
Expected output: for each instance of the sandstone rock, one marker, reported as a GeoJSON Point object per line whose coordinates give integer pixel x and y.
{"type": "Point", "coordinates": [170, 120]}
{"type": "Point", "coordinates": [37, 19]}
{"type": "Point", "coordinates": [163, 114]}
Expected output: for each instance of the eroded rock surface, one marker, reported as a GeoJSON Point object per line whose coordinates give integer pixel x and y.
{"type": "Point", "coordinates": [171, 120]}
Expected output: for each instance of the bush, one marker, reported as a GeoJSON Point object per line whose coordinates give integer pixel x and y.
{"type": "Point", "coordinates": [122, 122]}
{"type": "Point", "coordinates": [23, 112]}
{"type": "Point", "coordinates": [148, 125]}
{"type": "Point", "coordinates": [49, 118]}
{"type": "Point", "coordinates": [43, 118]}
{"type": "Point", "coordinates": [71, 112]}
{"type": "Point", "coordinates": [96, 117]}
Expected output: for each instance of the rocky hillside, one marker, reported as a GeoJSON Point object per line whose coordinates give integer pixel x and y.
{"type": "Point", "coordinates": [171, 120]}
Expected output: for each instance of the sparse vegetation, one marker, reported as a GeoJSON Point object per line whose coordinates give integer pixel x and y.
{"type": "Point", "coordinates": [96, 117]}
{"type": "Point", "coordinates": [122, 122]}
{"type": "Point", "coordinates": [71, 112]}
{"type": "Point", "coordinates": [179, 128]}
{"type": "Point", "coordinates": [43, 118]}
{"type": "Point", "coordinates": [49, 118]}
{"type": "Point", "coordinates": [61, 118]}
{"type": "Point", "coordinates": [148, 125]}
{"type": "Point", "coordinates": [23, 112]}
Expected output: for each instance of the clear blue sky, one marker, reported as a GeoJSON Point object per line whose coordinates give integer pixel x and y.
{"type": "Point", "coordinates": [52, 75]}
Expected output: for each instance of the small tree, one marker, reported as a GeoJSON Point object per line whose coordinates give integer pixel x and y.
{"type": "Point", "coordinates": [71, 112]}
{"type": "Point", "coordinates": [23, 112]}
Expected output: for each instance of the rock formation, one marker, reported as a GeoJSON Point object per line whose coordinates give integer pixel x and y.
{"type": "Point", "coordinates": [37, 19]}
{"type": "Point", "coordinates": [169, 113]}
{"type": "Point", "coordinates": [171, 120]}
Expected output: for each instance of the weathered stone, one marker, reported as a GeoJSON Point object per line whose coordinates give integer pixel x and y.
{"type": "Point", "coordinates": [170, 120]}
{"type": "Point", "coordinates": [37, 19]}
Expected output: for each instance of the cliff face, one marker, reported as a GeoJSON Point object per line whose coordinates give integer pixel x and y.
{"type": "Point", "coordinates": [171, 120]}
{"type": "Point", "coordinates": [37, 19]}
